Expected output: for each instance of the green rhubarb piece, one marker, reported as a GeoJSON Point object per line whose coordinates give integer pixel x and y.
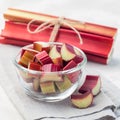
{"type": "Point", "coordinates": [63, 85]}
{"type": "Point", "coordinates": [47, 87]}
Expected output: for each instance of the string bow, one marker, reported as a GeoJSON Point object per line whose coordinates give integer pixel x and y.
{"type": "Point", "coordinates": [54, 22]}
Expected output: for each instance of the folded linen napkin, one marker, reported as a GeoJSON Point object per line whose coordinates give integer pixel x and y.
{"type": "Point", "coordinates": [103, 107]}
{"type": "Point", "coordinates": [113, 93]}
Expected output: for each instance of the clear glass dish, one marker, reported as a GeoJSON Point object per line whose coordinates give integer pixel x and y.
{"type": "Point", "coordinates": [27, 77]}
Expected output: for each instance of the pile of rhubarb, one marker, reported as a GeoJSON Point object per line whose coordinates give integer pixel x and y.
{"type": "Point", "coordinates": [98, 40]}
{"type": "Point", "coordinates": [50, 60]}
{"type": "Point", "coordinates": [85, 96]}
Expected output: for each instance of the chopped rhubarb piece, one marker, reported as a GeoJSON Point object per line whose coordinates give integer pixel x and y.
{"type": "Point", "coordinates": [24, 61]}
{"type": "Point", "coordinates": [28, 54]}
{"type": "Point", "coordinates": [36, 84]}
{"type": "Point", "coordinates": [37, 46]}
{"type": "Point", "coordinates": [55, 55]}
{"type": "Point", "coordinates": [47, 87]}
{"type": "Point", "coordinates": [30, 50]}
{"type": "Point", "coordinates": [50, 76]}
{"type": "Point", "coordinates": [63, 85]}
{"type": "Point", "coordinates": [26, 57]}
{"type": "Point", "coordinates": [26, 77]}
{"type": "Point", "coordinates": [74, 76]}
{"type": "Point", "coordinates": [67, 52]}
{"type": "Point", "coordinates": [58, 61]}
{"type": "Point", "coordinates": [70, 65]}
{"type": "Point", "coordinates": [82, 100]}
{"type": "Point", "coordinates": [34, 66]}
{"type": "Point", "coordinates": [41, 46]}
{"type": "Point", "coordinates": [92, 82]}
{"type": "Point", "coordinates": [78, 59]}
{"type": "Point", "coordinates": [43, 58]}
{"type": "Point", "coordinates": [50, 68]}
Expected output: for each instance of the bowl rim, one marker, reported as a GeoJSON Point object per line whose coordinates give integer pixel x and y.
{"type": "Point", "coordinates": [74, 69]}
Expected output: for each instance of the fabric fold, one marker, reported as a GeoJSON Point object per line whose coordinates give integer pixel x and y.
{"type": "Point", "coordinates": [104, 105]}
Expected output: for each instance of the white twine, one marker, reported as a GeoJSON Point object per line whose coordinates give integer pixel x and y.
{"type": "Point", "coordinates": [54, 22]}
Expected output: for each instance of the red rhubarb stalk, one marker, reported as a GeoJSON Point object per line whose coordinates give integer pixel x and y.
{"type": "Point", "coordinates": [20, 16]}
{"type": "Point", "coordinates": [92, 44]}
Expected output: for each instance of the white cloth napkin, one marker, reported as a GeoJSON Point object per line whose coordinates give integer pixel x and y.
{"type": "Point", "coordinates": [103, 108]}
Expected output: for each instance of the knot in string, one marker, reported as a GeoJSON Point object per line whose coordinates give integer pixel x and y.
{"type": "Point", "coordinates": [54, 22]}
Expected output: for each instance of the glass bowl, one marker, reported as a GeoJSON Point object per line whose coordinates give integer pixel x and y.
{"type": "Point", "coordinates": [56, 90]}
